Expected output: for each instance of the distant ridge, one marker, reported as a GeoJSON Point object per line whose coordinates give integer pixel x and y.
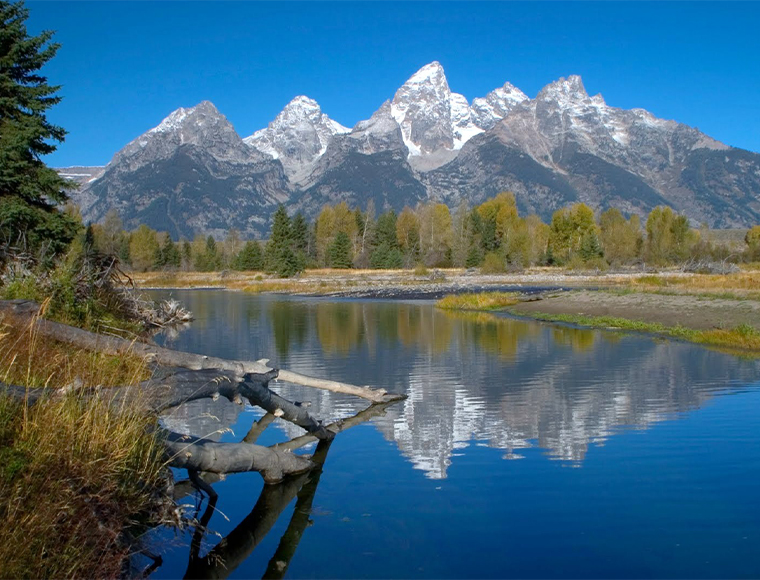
{"type": "Point", "coordinates": [194, 174]}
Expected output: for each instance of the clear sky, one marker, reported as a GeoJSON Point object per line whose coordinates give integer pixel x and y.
{"type": "Point", "coordinates": [124, 66]}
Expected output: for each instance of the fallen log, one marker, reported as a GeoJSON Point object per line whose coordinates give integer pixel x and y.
{"type": "Point", "coordinates": [193, 453]}
{"type": "Point", "coordinates": [167, 357]}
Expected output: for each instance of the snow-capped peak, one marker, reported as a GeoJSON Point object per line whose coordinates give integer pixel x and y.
{"type": "Point", "coordinates": [431, 117]}
{"type": "Point", "coordinates": [568, 89]}
{"type": "Point", "coordinates": [178, 118]}
{"type": "Point", "coordinates": [489, 110]}
{"type": "Point", "coordinates": [298, 136]}
{"type": "Point", "coordinates": [429, 74]}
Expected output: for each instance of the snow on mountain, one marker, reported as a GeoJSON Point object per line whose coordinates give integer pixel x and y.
{"type": "Point", "coordinates": [298, 136]}
{"type": "Point", "coordinates": [201, 126]}
{"type": "Point", "coordinates": [489, 110]}
{"type": "Point", "coordinates": [431, 117]}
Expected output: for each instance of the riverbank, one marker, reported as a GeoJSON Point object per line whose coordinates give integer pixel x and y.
{"type": "Point", "coordinates": [713, 321]}
{"type": "Point", "coordinates": [76, 473]}
{"type": "Point", "coordinates": [436, 283]}
{"type": "Point", "coordinates": [688, 311]}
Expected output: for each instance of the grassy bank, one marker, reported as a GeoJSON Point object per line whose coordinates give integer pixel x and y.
{"type": "Point", "coordinates": [743, 337]}
{"type": "Point", "coordinates": [75, 471]}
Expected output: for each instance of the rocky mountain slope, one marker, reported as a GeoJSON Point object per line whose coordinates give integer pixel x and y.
{"type": "Point", "coordinates": [194, 174]}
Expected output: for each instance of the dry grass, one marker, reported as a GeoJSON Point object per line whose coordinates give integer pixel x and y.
{"type": "Point", "coordinates": [27, 359]}
{"type": "Point", "coordinates": [478, 301]}
{"type": "Point", "coordinates": [742, 285]}
{"type": "Point", "coordinates": [75, 470]}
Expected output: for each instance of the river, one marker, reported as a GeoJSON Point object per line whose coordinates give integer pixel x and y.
{"type": "Point", "coordinates": [523, 450]}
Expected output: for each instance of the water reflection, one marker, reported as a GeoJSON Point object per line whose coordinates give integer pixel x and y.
{"type": "Point", "coordinates": [472, 379]}
{"type": "Point", "coordinates": [235, 548]}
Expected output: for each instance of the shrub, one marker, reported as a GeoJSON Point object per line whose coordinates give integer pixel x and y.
{"type": "Point", "coordinates": [493, 263]}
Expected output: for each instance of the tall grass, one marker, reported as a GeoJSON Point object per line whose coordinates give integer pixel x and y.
{"type": "Point", "coordinates": [76, 471]}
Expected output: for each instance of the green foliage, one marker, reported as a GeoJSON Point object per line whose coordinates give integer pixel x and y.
{"type": "Point", "coordinates": [209, 259]}
{"type": "Point", "coordinates": [339, 252]}
{"type": "Point", "coordinates": [474, 256]}
{"type": "Point", "coordinates": [284, 254]}
{"type": "Point", "coordinates": [168, 255]}
{"type": "Point", "coordinates": [386, 257]}
{"type": "Point", "coordinates": [29, 189]}
{"type": "Point", "coordinates": [385, 230]}
{"type": "Point", "coordinates": [590, 248]}
{"type": "Point", "coordinates": [753, 243]}
{"type": "Point", "coordinates": [569, 228]}
{"type": "Point", "coordinates": [143, 248]}
{"type": "Point", "coordinates": [299, 232]}
{"type": "Point", "coordinates": [621, 239]}
{"type": "Point", "coordinates": [250, 257]}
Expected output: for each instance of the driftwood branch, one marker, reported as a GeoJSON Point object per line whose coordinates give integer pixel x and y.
{"type": "Point", "coordinates": [375, 410]}
{"type": "Point", "coordinates": [167, 357]}
{"type": "Point", "coordinates": [193, 453]}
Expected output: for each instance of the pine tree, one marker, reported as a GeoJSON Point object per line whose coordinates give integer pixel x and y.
{"type": "Point", "coordinates": [250, 257]}
{"type": "Point", "coordinates": [340, 251]}
{"type": "Point", "coordinates": [299, 233]}
{"type": "Point", "coordinates": [29, 190]}
{"type": "Point", "coordinates": [590, 247]}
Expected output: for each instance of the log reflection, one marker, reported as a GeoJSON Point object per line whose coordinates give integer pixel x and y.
{"type": "Point", "coordinates": [239, 544]}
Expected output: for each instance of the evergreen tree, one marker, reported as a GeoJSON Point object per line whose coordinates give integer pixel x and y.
{"type": "Point", "coordinates": [340, 251]}
{"type": "Point", "coordinates": [282, 256]}
{"type": "Point", "coordinates": [168, 255]}
{"type": "Point", "coordinates": [29, 190]}
{"type": "Point", "coordinates": [208, 259]}
{"type": "Point", "coordinates": [250, 257]}
{"type": "Point", "coordinates": [299, 233]}
{"type": "Point", "coordinates": [385, 230]}
{"type": "Point", "coordinates": [590, 247]}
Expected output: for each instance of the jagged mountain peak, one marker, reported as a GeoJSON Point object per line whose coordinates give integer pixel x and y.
{"type": "Point", "coordinates": [185, 116]}
{"type": "Point", "coordinates": [431, 73]}
{"type": "Point", "coordinates": [568, 89]}
{"type": "Point", "coordinates": [298, 136]}
{"type": "Point", "coordinates": [201, 126]}
{"type": "Point", "coordinates": [489, 110]}
{"type": "Point", "coordinates": [305, 108]}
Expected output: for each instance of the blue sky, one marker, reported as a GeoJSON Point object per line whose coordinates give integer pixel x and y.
{"type": "Point", "coordinates": [124, 66]}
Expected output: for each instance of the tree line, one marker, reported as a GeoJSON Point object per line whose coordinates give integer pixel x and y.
{"type": "Point", "coordinates": [491, 236]}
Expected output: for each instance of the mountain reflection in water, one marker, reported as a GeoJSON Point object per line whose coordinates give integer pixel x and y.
{"type": "Point", "coordinates": [471, 378]}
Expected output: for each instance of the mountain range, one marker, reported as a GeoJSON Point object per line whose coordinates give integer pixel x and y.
{"type": "Point", "coordinates": [194, 174]}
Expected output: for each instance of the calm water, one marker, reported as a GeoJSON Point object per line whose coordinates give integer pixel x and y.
{"type": "Point", "coordinates": [523, 450]}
